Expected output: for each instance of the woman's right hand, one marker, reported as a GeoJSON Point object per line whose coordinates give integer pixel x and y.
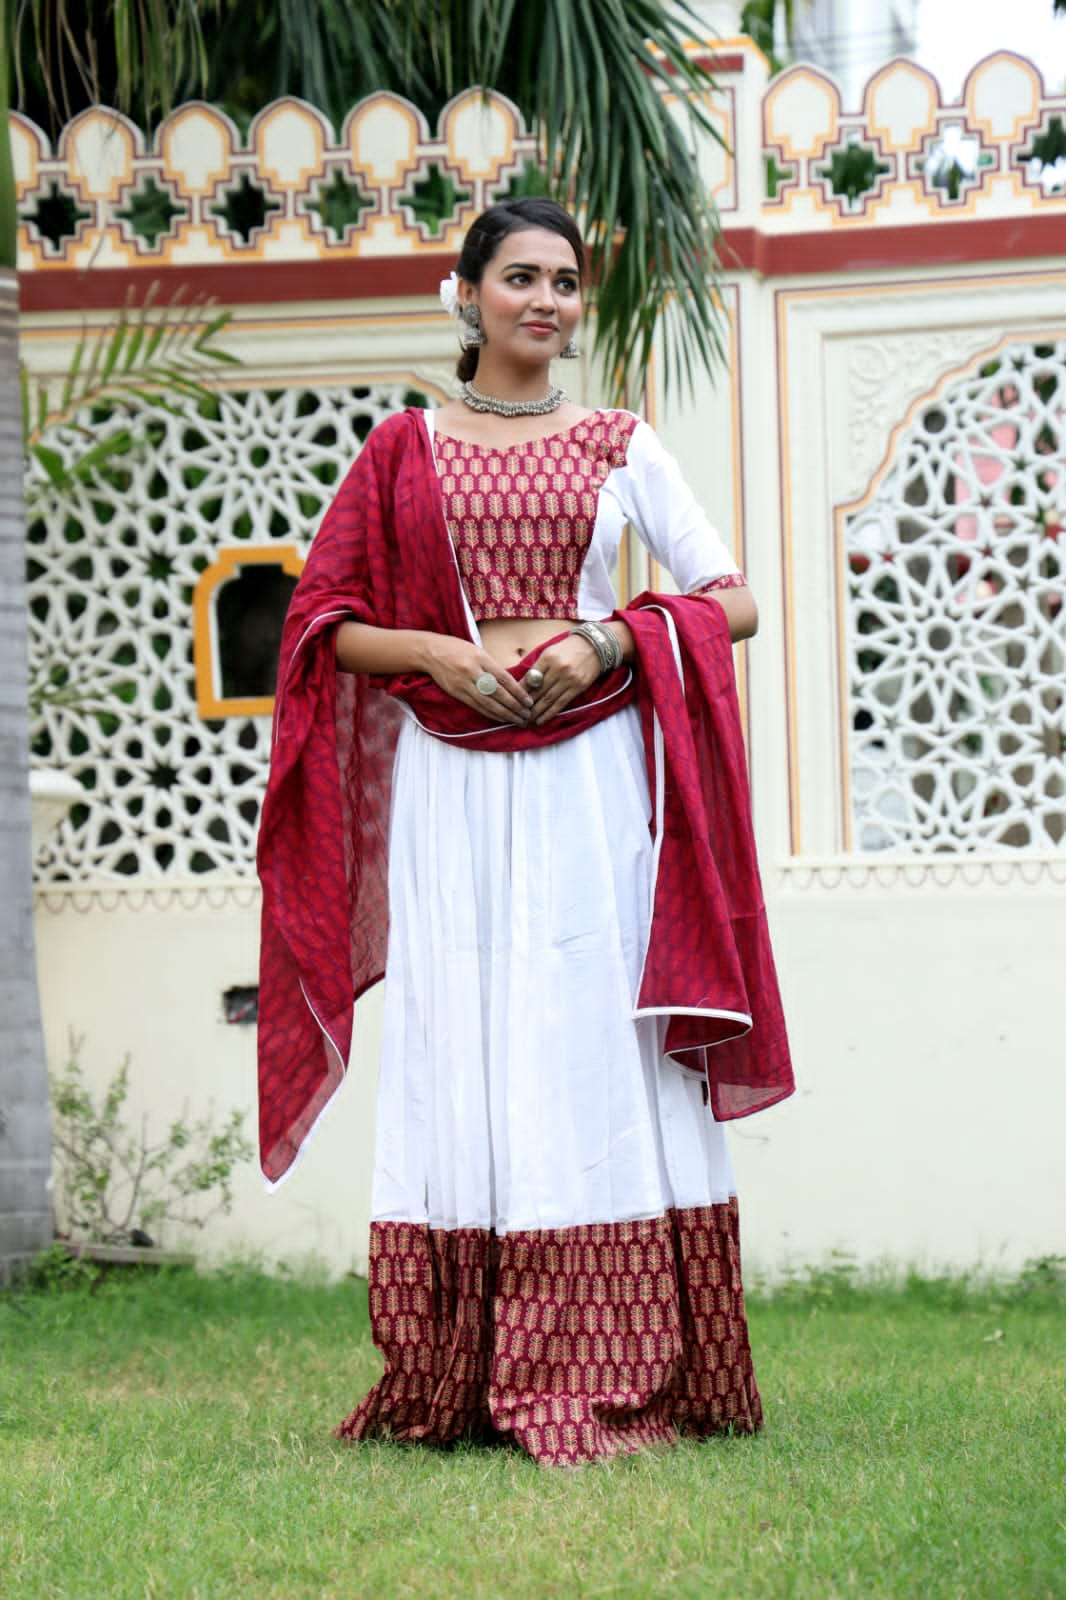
{"type": "Point", "coordinates": [455, 665]}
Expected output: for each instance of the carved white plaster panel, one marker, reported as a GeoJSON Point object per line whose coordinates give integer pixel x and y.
{"type": "Point", "coordinates": [885, 376]}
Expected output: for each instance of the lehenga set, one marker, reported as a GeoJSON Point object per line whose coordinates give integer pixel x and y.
{"type": "Point", "coordinates": [579, 989]}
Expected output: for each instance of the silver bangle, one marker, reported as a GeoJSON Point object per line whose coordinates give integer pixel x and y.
{"type": "Point", "coordinates": [604, 641]}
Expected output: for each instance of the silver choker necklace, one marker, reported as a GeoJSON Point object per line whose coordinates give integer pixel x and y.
{"type": "Point", "coordinates": [511, 408]}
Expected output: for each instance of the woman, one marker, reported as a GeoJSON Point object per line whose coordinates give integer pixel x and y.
{"type": "Point", "coordinates": [556, 846]}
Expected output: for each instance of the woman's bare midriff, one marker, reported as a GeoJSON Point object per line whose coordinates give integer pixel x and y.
{"type": "Point", "coordinates": [508, 639]}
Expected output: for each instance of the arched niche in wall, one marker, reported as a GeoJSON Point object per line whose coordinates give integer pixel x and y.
{"type": "Point", "coordinates": [239, 607]}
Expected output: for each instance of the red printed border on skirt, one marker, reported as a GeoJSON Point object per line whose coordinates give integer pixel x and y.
{"type": "Point", "coordinates": [577, 1343]}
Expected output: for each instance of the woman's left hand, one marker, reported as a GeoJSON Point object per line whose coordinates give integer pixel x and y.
{"type": "Point", "coordinates": [569, 667]}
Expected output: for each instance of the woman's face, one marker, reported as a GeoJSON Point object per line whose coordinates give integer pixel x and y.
{"type": "Point", "coordinates": [529, 296]}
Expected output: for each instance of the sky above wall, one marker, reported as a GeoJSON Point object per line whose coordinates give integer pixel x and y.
{"type": "Point", "coordinates": [953, 36]}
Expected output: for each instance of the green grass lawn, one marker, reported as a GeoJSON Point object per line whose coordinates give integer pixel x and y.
{"type": "Point", "coordinates": [171, 1436]}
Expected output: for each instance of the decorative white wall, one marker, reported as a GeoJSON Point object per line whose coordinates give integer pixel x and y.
{"type": "Point", "coordinates": [885, 455]}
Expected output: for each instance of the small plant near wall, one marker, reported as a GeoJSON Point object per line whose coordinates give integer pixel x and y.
{"type": "Point", "coordinates": [117, 1185]}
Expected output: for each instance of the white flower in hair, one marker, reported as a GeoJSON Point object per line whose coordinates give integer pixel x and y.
{"type": "Point", "coordinates": [449, 294]}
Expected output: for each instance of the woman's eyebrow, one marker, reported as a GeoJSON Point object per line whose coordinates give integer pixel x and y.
{"type": "Point", "coordinates": [533, 266]}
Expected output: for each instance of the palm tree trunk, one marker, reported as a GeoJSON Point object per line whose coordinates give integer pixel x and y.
{"type": "Point", "coordinates": [25, 1136]}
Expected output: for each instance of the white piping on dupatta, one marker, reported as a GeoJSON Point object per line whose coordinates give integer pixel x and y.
{"type": "Point", "coordinates": [658, 790]}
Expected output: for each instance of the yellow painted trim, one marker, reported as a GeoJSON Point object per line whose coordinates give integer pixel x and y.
{"type": "Point", "coordinates": [648, 404]}
{"type": "Point", "coordinates": [722, 112]}
{"type": "Point", "coordinates": [26, 136]}
{"type": "Point", "coordinates": [492, 103]}
{"type": "Point", "coordinates": [121, 136]}
{"type": "Point", "coordinates": [210, 704]}
{"type": "Point", "coordinates": [791, 713]}
{"type": "Point", "coordinates": [736, 421]}
{"type": "Point", "coordinates": [84, 253]}
{"type": "Point", "coordinates": [782, 136]}
{"type": "Point", "coordinates": [266, 169]}
{"type": "Point", "coordinates": [897, 70]}
{"type": "Point", "coordinates": [842, 580]}
{"type": "Point", "coordinates": [192, 112]}
{"type": "Point", "coordinates": [740, 657]}
{"type": "Point", "coordinates": [396, 171]}
{"type": "Point", "coordinates": [1025, 119]}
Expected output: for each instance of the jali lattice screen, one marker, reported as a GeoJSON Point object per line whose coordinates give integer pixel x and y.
{"type": "Point", "coordinates": [956, 619]}
{"type": "Point", "coordinates": [111, 575]}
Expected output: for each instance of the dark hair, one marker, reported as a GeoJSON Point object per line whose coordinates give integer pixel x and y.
{"type": "Point", "coordinates": [487, 232]}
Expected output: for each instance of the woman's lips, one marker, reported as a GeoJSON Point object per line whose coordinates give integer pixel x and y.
{"type": "Point", "coordinates": [540, 327]}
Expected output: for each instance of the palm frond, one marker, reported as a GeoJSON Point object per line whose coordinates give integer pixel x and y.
{"type": "Point", "coordinates": [139, 55]}
{"type": "Point", "coordinates": [150, 357]}
{"type": "Point", "coordinates": [8, 212]}
{"type": "Point", "coordinates": [597, 78]}
{"type": "Point", "coordinates": [592, 78]}
{"type": "Point", "coordinates": [329, 52]}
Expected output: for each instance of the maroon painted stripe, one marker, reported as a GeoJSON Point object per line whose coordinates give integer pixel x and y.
{"type": "Point", "coordinates": [238, 283]}
{"type": "Point", "coordinates": [941, 243]}
{"type": "Point", "coordinates": [948, 241]}
{"type": "Point", "coordinates": [726, 61]}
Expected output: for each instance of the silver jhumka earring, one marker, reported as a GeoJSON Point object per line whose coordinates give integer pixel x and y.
{"type": "Point", "coordinates": [471, 334]}
{"type": "Point", "coordinates": [570, 351]}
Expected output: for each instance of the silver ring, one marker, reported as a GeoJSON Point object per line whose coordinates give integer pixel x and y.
{"type": "Point", "coordinates": [486, 684]}
{"type": "Point", "coordinates": [534, 678]}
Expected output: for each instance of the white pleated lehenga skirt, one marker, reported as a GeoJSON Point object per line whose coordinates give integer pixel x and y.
{"type": "Point", "coordinates": [553, 1248]}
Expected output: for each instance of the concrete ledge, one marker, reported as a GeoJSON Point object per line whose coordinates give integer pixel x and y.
{"type": "Point", "coordinates": [126, 1255]}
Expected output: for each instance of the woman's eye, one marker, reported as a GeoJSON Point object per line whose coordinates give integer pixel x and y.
{"type": "Point", "coordinates": [568, 285]}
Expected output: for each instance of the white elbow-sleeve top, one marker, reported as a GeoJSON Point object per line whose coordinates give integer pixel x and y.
{"type": "Point", "coordinates": [635, 481]}
{"type": "Point", "coordinates": [650, 494]}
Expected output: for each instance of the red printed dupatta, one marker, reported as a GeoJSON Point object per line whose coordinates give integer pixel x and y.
{"type": "Point", "coordinates": [709, 965]}
{"type": "Point", "coordinates": [383, 555]}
